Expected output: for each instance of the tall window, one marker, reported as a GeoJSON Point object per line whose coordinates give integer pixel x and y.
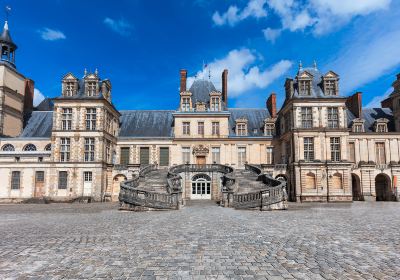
{"type": "Point", "coordinates": [185, 104]}
{"type": "Point", "coordinates": [335, 148]}
{"type": "Point", "coordinates": [333, 117]}
{"type": "Point", "coordinates": [66, 119]}
{"type": "Point", "coordinates": [89, 149]}
{"type": "Point", "coordinates": [65, 148]}
{"type": "Point", "coordinates": [62, 180]}
{"type": "Point", "coordinates": [381, 127]}
{"type": "Point", "coordinates": [330, 87]}
{"type": "Point", "coordinates": [306, 117]}
{"type": "Point", "coordinates": [109, 119]}
{"type": "Point", "coordinates": [69, 89]}
{"type": "Point", "coordinates": [241, 156]}
{"type": "Point", "coordinates": [186, 128]}
{"type": "Point", "coordinates": [380, 153]}
{"type": "Point", "coordinates": [352, 152]}
{"type": "Point", "coordinates": [91, 88]}
{"type": "Point", "coordinates": [15, 180]}
{"type": "Point", "coordinates": [108, 151]}
{"type": "Point", "coordinates": [215, 128]}
{"type": "Point", "coordinates": [215, 104]}
{"type": "Point", "coordinates": [269, 129]}
{"type": "Point", "coordinates": [270, 155]}
{"type": "Point", "coordinates": [305, 87]}
{"type": "Point", "coordinates": [91, 118]}
{"type": "Point", "coordinates": [241, 129]}
{"type": "Point", "coordinates": [308, 148]}
{"type": "Point", "coordinates": [216, 154]}
{"type": "Point", "coordinates": [185, 154]}
{"type": "Point", "coordinates": [200, 128]}
{"type": "Point", "coordinates": [358, 128]}
{"type": "Point", "coordinates": [124, 157]}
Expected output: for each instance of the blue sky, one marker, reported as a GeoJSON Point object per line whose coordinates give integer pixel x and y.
{"type": "Point", "coordinates": [141, 45]}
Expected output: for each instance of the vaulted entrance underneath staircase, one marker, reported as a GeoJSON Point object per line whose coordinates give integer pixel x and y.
{"type": "Point", "coordinates": [201, 187]}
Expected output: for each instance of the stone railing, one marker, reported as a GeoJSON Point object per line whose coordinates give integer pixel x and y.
{"type": "Point", "coordinates": [132, 197]}
{"type": "Point", "coordinates": [273, 196]}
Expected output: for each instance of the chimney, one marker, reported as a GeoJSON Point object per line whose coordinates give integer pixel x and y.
{"type": "Point", "coordinates": [353, 103]}
{"type": "Point", "coordinates": [225, 86]}
{"type": "Point", "coordinates": [271, 105]}
{"type": "Point", "coordinates": [28, 99]}
{"type": "Point", "coordinates": [183, 80]}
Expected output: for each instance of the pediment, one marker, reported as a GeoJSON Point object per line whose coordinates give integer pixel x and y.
{"type": "Point", "coordinates": [331, 75]}
{"type": "Point", "coordinates": [91, 77]}
{"type": "Point", "coordinates": [69, 76]}
{"type": "Point", "coordinates": [305, 75]}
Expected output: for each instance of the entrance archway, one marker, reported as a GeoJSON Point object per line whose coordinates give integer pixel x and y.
{"type": "Point", "coordinates": [382, 188]}
{"type": "Point", "coordinates": [356, 187]}
{"type": "Point", "coordinates": [116, 183]}
{"type": "Point", "coordinates": [201, 187]}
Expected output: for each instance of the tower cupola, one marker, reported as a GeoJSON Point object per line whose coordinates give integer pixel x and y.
{"type": "Point", "coordinates": [7, 46]}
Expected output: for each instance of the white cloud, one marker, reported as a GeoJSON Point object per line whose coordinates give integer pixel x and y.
{"type": "Point", "coordinates": [37, 97]}
{"type": "Point", "coordinates": [376, 101]}
{"type": "Point", "coordinates": [243, 75]}
{"type": "Point", "coordinates": [271, 34]}
{"type": "Point", "coordinates": [121, 26]}
{"type": "Point", "coordinates": [254, 8]}
{"type": "Point", "coordinates": [51, 34]}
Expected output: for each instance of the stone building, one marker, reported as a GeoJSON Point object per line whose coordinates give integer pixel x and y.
{"type": "Point", "coordinates": [325, 145]}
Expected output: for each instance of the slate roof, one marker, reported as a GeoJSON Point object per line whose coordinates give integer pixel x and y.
{"type": "Point", "coordinates": [39, 125]}
{"type": "Point", "coordinates": [370, 115]}
{"type": "Point", "coordinates": [255, 120]}
{"type": "Point", "coordinates": [146, 123]}
{"type": "Point", "coordinates": [46, 105]}
{"type": "Point", "coordinates": [5, 36]}
{"type": "Point", "coordinates": [200, 90]}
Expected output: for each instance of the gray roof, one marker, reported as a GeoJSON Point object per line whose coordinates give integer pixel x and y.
{"type": "Point", "coordinates": [370, 115]}
{"type": "Point", "coordinates": [200, 90]}
{"type": "Point", "coordinates": [5, 36]}
{"type": "Point", "coordinates": [255, 120]}
{"type": "Point", "coordinates": [146, 123]}
{"type": "Point", "coordinates": [46, 105]}
{"type": "Point", "coordinates": [39, 125]}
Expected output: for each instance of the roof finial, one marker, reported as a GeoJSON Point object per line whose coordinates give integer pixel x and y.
{"type": "Point", "coordinates": [85, 72]}
{"type": "Point", "coordinates": [209, 73]}
{"type": "Point", "coordinates": [96, 71]}
{"type": "Point", "coordinates": [315, 65]}
{"type": "Point", "coordinates": [300, 66]}
{"type": "Point", "coordinates": [7, 11]}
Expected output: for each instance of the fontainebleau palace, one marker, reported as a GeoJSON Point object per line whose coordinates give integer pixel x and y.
{"type": "Point", "coordinates": [324, 145]}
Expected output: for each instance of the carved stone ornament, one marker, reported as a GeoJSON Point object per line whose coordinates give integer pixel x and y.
{"type": "Point", "coordinates": [200, 150]}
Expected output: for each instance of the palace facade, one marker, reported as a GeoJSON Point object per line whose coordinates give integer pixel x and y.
{"type": "Point", "coordinates": [324, 145]}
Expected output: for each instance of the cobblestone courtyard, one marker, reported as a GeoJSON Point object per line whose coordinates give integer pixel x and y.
{"type": "Point", "coordinates": [202, 241]}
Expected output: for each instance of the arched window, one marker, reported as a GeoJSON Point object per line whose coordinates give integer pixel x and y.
{"type": "Point", "coordinates": [48, 147]}
{"type": "Point", "coordinates": [337, 181]}
{"type": "Point", "coordinates": [201, 187]}
{"type": "Point", "coordinates": [310, 181]}
{"type": "Point", "coordinates": [30, 148]}
{"type": "Point", "coordinates": [8, 148]}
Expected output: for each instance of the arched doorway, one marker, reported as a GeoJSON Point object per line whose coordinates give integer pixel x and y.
{"type": "Point", "coordinates": [356, 187]}
{"type": "Point", "coordinates": [382, 188]}
{"type": "Point", "coordinates": [116, 184]}
{"type": "Point", "coordinates": [201, 187]}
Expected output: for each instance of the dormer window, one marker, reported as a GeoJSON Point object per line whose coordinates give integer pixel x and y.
{"type": "Point", "coordinates": [357, 128]}
{"type": "Point", "coordinates": [380, 125]}
{"type": "Point", "coordinates": [241, 127]}
{"type": "Point", "coordinates": [185, 104]}
{"type": "Point", "coordinates": [215, 104]}
{"type": "Point", "coordinates": [91, 88]}
{"type": "Point", "coordinates": [330, 87]}
{"type": "Point", "coordinates": [269, 129]}
{"type": "Point", "coordinates": [69, 89]}
{"type": "Point", "coordinates": [305, 87]}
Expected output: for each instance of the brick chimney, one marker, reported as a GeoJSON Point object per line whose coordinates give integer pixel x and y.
{"type": "Point", "coordinates": [183, 80]}
{"type": "Point", "coordinates": [28, 99]}
{"type": "Point", "coordinates": [354, 104]}
{"type": "Point", "coordinates": [271, 105]}
{"type": "Point", "coordinates": [225, 86]}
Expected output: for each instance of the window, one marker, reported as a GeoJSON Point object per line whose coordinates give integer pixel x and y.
{"type": "Point", "coordinates": [335, 149]}
{"type": "Point", "coordinates": [305, 87]}
{"type": "Point", "coordinates": [330, 87]}
{"type": "Point", "coordinates": [91, 88]}
{"type": "Point", "coordinates": [215, 104]}
{"type": "Point", "coordinates": [30, 148]}
{"type": "Point", "coordinates": [288, 121]}
{"type": "Point", "coordinates": [380, 153]}
{"type": "Point", "coordinates": [310, 182]}
{"type": "Point", "coordinates": [144, 155]}
{"type": "Point", "coordinates": [215, 154]}
{"type": "Point", "coordinates": [87, 176]}
{"type": "Point", "coordinates": [8, 148]}
{"type": "Point", "coordinates": [270, 155]}
{"type": "Point", "coordinates": [15, 180]}
{"type": "Point", "coordinates": [164, 156]}
{"type": "Point", "coordinates": [287, 151]}
{"type": "Point", "coordinates": [185, 154]}
{"type": "Point", "coordinates": [306, 117]}
{"type": "Point", "coordinates": [108, 151]}
{"type": "Point", "coordinates": [69, 89]}
{"type": "Point", "coordinates": [200, 128]}
{"type": "Point", "coordinates": [48, 147]}
{"type": "Point", "coordinates": [109, 119]}
{"type": "Point", "coordinates": [66, 119]}
{"type": "Point", "coordinates": [308, 148]}
{"type": "Point", "coordinates": [241, 129]}
{"type": "Point", "coordinates": [352, 152]}
{"type": "Point", "coordinates": [215, 128]}
{"type": "Point", "coordinates": [269, 129]}
{"type": "Point", "coordinates": [337, 182]}
{"type": "Point", "coordinates": [124, 157]}
{"type": "Point", "coordinates": [381, 127]}
{"type": "Point", "coordinates": [186, 128]}
{"type": "Point", "coordinates": [65, 149]}
{"type": "Point", "coordinates": [333, 117]}
{"type": "Point", "coordinates": [185, 104]}
{"type": "Point", "coordinates": [90, 118]}
{"type": "Point", "coordinates": [241, 156]}
{"type": "Point", "coordinates": [62, 180]}
{"type": "Point", "coordinates": [39, 176]}
{"type": "Point", "coordinates": [358, 128]}
{"type": "Point", "coordinates": [89, 149]}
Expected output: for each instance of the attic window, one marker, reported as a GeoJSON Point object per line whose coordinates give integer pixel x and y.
{"type": "Point", "coordinates": [91, 88]}
{"type": "Point", "coordinates": [305, 87]}
{"type": "Point", "coordinates": [358, 127]}
{"type": "Point", "coordinates": [69, 89]}
{"type": "Point", "coordinates": [269, 129]}
{"type": "Point", "coordinates": [241, 127]}
{"type": "Point", "coordinates": [215, 103]}
{"type": "Point", "coordinates": [330, 87]}
{"type": "Point", "coordinates": [381, 127]}
{"type": "Point", "coordinates": [185, 104]}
